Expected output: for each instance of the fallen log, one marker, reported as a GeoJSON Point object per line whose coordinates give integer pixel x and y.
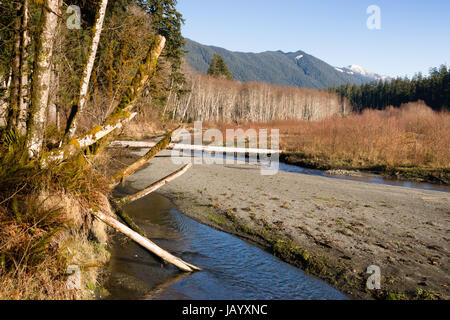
{"type": "Point", "coordinates": [122, 174]}
{"type": "Point", "coordinates": [118, 209]}
{"type": "Point", "coordinates": [179, 146]}
{"type": "Point", "coordinates": [146, 243]}
{"type": "Point", "coordinates": [155, 186]}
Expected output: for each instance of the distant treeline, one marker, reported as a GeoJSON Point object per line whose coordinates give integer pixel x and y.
{"type": "Point", "coordinates": [434, 90]}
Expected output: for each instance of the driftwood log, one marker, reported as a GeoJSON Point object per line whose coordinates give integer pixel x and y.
{"type": "Point", "coordinates": [155, 186]}
{"type": "Point", "coordinates": [193, 147]}
{"type": "Point", "coordinates": [149, 245]}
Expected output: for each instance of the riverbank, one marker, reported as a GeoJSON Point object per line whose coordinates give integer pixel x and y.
{"type": "Point", "coordinates": [412, 173]}
{"type": "Point", "coordinates": [332, 228]}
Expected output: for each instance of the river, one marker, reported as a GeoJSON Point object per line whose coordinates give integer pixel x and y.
{"type": "Point", "coordinates": [233, 269]}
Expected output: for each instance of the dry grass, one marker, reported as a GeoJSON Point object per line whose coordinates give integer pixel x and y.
{"type": "Point", "coordinates": [413, 135]}
{"type": "Point", "coordinates": [410, 136]}
{"type": "Point", "coordinates": [36, 249]}
{"type": "Point", "coordinates": [45, 224]}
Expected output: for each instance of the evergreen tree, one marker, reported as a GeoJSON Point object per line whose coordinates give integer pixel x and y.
{"type": "Point", "coordinates": [167, 22]}
{"type": "Point", "coordinates": [218, 68]}
{"type": "Point", "coordinates": [7, 15]}
{"type": "Point", "coordinates": [434, 90]}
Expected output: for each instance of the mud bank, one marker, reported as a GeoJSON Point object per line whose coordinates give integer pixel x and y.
{"type": "Point", "coordinates": [417, 174]}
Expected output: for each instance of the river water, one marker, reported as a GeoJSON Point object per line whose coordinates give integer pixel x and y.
{"type": "Point", "coordinates": [233, 269]}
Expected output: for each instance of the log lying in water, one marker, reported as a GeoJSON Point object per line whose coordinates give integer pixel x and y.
{"type": "Point", "coordinates": [179, 146]}
{"type": "Point", "coordinates": [155, 186]}
{"type": "Point", "coordinates": [149, 245]}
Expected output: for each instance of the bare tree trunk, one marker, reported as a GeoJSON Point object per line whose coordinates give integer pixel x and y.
{"type": "Point", "coordinates": [89, 138]}
{"type": "Point", "coordinates": [52, 104]}
{"type": "Point", "coordinates": [24, 71]}
{"type": "Point", "coordinates": [58, 120]}
{"type": "Point", "coordinates": [41, 76]}
{"type": "Point", "coordinates": [76, 109]}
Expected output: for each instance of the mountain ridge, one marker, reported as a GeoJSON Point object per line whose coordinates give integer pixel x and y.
{"type": "Point", "coordinates": [277, 67]}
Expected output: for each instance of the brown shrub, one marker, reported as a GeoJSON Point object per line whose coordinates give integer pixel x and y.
{"type": "Point", "coordinates": [410, 136]}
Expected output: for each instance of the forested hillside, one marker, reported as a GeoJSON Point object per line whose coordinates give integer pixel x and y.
{"type": "Point", "coordinates": [285, 69]}
{"type": "Point", "coordinates": [434, 90]}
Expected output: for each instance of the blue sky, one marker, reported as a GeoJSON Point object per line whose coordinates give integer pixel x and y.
{"type": "Point", "coordinates": [414, 35]}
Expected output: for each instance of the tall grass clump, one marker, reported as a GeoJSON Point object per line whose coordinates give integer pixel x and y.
{"type": "Point", "coordinates": [41, 209]}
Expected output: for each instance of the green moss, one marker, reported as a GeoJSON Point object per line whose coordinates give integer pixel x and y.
{"type": "Point", "coordinates": [91, 286]}
{"type": "Point", "coordinates": [220, 220]}
{"type": "Point", "coordinates": [74, 142]}
{"type": "Point", "coordinates": [95, 130]}
{"type": "Point", "coordinates": [287, 249]}
{"type": "Point", "coordinates": [426, 295]}
{"type": "Point", "coordinates": [396, 296]}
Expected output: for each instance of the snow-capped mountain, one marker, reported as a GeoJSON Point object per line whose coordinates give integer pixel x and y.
{"type": "Point", "coordinates": [356, 70]}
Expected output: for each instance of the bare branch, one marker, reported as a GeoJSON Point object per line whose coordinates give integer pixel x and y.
{"type": "Point", "coordinates": [88, 139]}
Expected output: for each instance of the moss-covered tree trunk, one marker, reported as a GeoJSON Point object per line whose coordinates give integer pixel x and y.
{"type": "Point", "coordinates": [24, 71]}
{"type": "Point", "coordinates": [41, 76]}
{"type": "Point", "coordinates": [15, 71]}
{"type": "Point", "coordinates": [121, 113]}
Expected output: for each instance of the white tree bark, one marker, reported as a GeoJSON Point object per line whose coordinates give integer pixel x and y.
{"type": "Point", "coordinates": [87, 139]}
{"type": "Point", "coordinates": [41, 76]}
{"type": "Point", "coordinates": [72, 127]}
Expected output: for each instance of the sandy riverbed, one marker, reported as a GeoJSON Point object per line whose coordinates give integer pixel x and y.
{"type": "Point", "coordinates": [344, 225]}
